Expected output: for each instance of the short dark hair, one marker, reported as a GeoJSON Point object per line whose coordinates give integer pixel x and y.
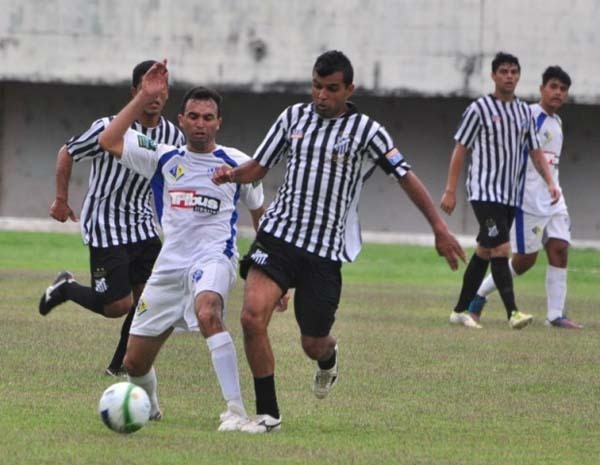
{"type": "Point", "coordinates": [202, 93]}
{"type": "Point", "coordinates": [139, 71]}
{"type": "Point", "coordinates": [333, 61]}
{"type": "Point", "coordinates": [556, 72]}
{"type": "Point", "coordinates": [501, 58]}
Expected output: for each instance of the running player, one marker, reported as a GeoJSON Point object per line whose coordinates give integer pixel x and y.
{"type": "Point", "coordinates": [312, 226]}
{"type": "Point", "coordinates": [117, 221]}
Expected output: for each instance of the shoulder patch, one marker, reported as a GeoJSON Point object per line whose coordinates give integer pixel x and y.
{"type": "Point", "coordinates": [145, 142]}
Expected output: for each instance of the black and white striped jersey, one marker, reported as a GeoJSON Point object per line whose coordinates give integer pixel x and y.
{"type": "Point", "coordinates": [117, 208]}
{"type": "Point", "coordinates": [497, 133]}
{"type": "Point", "coordinates": [328, 160]}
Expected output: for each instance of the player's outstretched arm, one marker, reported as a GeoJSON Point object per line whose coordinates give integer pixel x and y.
{"type": "Point", "coordinates": [60, 209]}
{"type": "Point", "coordinates": [457, 161]}
{"type": "Point", "coordinates": [245, 173]}
{"type": "Point", "coordinates": [445, 243]}
{"type": "Point", "coordinates": [153, 83]}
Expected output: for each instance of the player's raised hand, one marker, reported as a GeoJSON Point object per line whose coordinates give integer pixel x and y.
{"type": "Point", "coordinates": [448, 247]}
{"type": "Point", "coordinates": [156, 79]}
{"type": "Point", "coordinates": [222, 174]}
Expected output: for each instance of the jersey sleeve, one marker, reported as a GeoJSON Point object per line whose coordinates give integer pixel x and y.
{"type": "Point", "coordinates": [381, 149]}
{"type": "Point", "coordinates": [533, 141]}
{"type": "Point", "coordinates": [469, 127]}
{"type": "Point", "coordinates": [252, 195]}
{"type": "Point", "coordinates": [275, 143]}
{"type": "Point", "coordinates": [140, 153]}
{"type": "Point", "coordinates": [85, 145]}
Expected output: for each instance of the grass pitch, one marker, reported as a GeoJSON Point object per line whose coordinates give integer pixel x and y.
{"type": "Point", "coordinates": [412, 389]}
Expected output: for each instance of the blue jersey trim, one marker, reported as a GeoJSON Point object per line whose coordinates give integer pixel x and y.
{"type": "Point", "coordinates": [519, 230]}
{"type": "Point", "coordinates": [230, 243]}
{"type": "Point", "coordinates": [538, 125]}
{"type": "Point", "coordinates": [157, 182]}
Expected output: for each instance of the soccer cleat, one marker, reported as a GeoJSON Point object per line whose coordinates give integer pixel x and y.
{"type": "Point", "coordinates": [54, 293]}
{"type": "Point", "coordinates": [325, 379]}
{"type": "Point", "coordinates": [463, 318]}
{"type": "Point", "coordinates": [519, 320]}
{"type": "Point", "coordinates": [476, 306]}
{"type": "Point", "coordinates": [232, 421]}
{"type": "Point", "coordinates": [156, 416]}
{"type": "Point", "coordinates": [262, 424]}
{"type": "Point", "coordinates": [116, 372]}
{"type": "Point", "coordinates": [563, 322]}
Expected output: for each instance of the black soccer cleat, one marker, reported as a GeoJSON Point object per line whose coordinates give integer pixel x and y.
{"type": "Point", "coordinates": [54, 295]}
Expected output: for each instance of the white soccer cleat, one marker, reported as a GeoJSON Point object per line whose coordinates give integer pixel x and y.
{"type": "Point", "coordinates": [519, 320]}
{"type": "Point", "coordinates": [232, 421]}
{"type": "Point", "coordinates": [262, 424]}
{"type": "Point", "coordinates": [465, 319]}
{"type": "Point", "coordinates": [325, 379]}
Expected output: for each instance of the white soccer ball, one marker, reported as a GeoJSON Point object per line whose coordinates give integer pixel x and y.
{"type": "Point", "coordinates": [124, 407]}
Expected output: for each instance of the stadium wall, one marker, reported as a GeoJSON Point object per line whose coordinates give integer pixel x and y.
{"type": "Point", "coordinates": [38, 118]}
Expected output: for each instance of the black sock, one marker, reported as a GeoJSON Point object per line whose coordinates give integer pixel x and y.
{"type": "Point", "coordinates": [266, 400]}
{"type": "Point", "coordinates": [472, 279]}
{"type": "Point", "coordinates": [119, 355]}
{"type": "Point", "coordinates": [327, 364]}
{"type": "Point", "coordinates": [84, 296]}
{"type": "Point", "coordinates": [504, 283]}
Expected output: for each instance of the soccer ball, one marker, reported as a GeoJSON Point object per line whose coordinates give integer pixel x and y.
{"type": "Point", "coordinates": [124, 407]}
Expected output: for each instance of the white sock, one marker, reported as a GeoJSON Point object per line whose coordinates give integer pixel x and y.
{"type": "Point", "coordinates": [149, 383]}
{"type": "Point", "coordinates": [488, 285]}
{"type": "Point", "coordinates": [224, 361]}
{"type": "Point", "coordinates": [556, 291]}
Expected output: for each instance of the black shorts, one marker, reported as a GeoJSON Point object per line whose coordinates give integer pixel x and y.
{"type": "Point", "coordinates": [495, 221]}
{"type": "Point", "coordinates": [116, 269]}
{"type": "Point", "coordinates": [318, 281]}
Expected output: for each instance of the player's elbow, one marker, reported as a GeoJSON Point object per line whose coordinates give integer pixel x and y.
{"type": "Point", "coordinates": [110, 144]}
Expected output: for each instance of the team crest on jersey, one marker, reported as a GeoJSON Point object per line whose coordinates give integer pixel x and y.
{"type": "Point", "coordinates": [145, 142]}
{"type": "Point", "coordinates": [194, 200]}
{"type": "Point", "coordinates": [142, 307]}
{"type": "Point", "coordinates": [547, 135]}
{"type": "Point", "coordinates": [495, 118]}
{"type": "Point", "coordinates": [176, 172]}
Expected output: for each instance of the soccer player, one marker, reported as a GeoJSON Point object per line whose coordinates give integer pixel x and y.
{"type": "Point", "coordinates": [539, 224]}
{"type": "Point", "coordinates": [197, 264]}
{"type": "Point", "coordinates": [495, 128]}
{"type": "Point", "coordinates": [312, 226]}
{"type": "Point", "coordinates": [117, 221]}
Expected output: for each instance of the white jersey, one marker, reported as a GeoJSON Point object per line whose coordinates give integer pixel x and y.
{"type": "Point", "coordinates": [536, 198]}
{"type": "Point", "coordinates": [198, 218]}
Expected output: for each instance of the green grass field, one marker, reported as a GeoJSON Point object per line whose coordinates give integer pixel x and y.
{"type": "Point", "coordinates": [412, 389]}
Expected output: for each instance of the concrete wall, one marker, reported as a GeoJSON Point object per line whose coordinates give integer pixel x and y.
{"type": "Point", "coordinates": [429, 47]}
{"type": "Point", "coordinates": [36, 119]}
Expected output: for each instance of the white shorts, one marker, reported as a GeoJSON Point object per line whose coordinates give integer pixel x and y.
{"type": "Point", "coordinates": [530, 233]}
{"type": "Point", "coordinates": [168, 297]}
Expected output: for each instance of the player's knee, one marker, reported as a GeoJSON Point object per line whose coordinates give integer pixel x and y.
{"type": "Point", "coordinates": [118, 308]}
{"type": "Point", "coordinates": [315, 348]}
{"type": "Point", "coordinates": [253, 322]}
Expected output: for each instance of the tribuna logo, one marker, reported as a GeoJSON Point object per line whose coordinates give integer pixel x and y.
{"type": "Point", "coordinates": [194, 200]}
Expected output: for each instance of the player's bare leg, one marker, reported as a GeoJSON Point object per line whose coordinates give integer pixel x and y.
{"type": "Point", "coordinates": [139, 359]}
{"type": "Point", "coordinates": [261, 296]}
